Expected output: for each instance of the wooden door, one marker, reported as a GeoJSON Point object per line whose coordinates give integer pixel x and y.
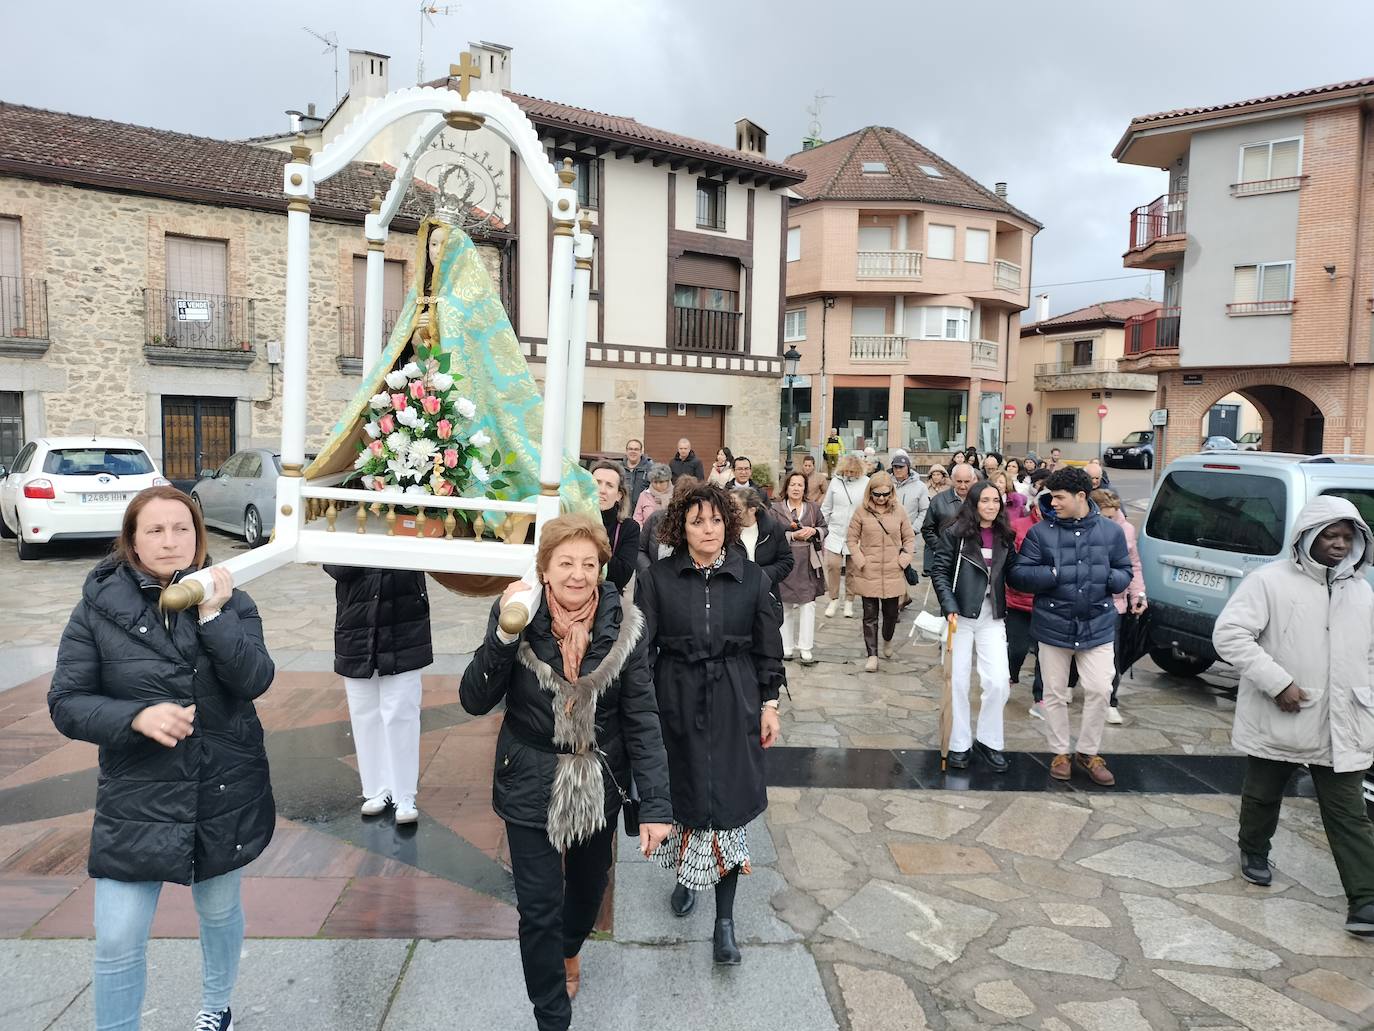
{"type": "Point", "coordinates": [665, 424]}
{"type": "Point", "coordinates": [197, 433]}
{"type": "Point", "coordinates": [591, 427]}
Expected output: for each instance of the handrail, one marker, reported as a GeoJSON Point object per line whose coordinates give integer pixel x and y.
{"type": "Point", "coordinates": [392, 497]}
{"type": "Point", "coordinates": [1166, 215]}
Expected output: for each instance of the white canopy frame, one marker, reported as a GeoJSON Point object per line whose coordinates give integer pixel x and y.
{"type": "Point", "coordinates": [569, 287]}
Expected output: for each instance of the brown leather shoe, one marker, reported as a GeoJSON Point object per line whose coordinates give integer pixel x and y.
{"type": "Point", "coordinates": [1096, 768]}
{"type": "Point", "coordinates": [572, 969]}
{"type": "Point", "coordinates": [1060, 768]}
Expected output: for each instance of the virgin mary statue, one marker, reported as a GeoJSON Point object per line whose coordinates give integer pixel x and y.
{"type": "Point", "coordinates": [459, 310]}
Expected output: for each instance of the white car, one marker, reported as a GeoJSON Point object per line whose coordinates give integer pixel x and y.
{"type": "Point", "coordinates": [71, 488]}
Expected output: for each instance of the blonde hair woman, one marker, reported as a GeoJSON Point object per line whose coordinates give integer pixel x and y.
{"type": "Point", "coordinates": [842, 497]}
{"type": "Point", "coordinates": [881, 546]}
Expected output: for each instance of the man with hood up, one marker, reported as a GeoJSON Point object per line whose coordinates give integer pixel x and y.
{"type": "Point", "coordinates": [1300, 631]}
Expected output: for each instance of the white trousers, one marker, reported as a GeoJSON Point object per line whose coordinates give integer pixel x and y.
{"type": "Point", "coordinates": [385, 712]}
{"type": "Point", "coordinates": [798, 626]}
{"type": "Point", "coordinates": [987, 636]}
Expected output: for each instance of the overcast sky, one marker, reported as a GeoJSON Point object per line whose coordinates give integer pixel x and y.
{"type": "Point", "coordinates": [1033, 93]}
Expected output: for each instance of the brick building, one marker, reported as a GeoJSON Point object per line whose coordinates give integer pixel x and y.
{"type": "Point", "coordinates": [1266, 241]}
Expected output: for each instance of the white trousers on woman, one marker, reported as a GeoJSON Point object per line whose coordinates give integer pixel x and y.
{"type": "Point", "coordinates": [385, 712]}
{"type": "Point", "coordinates": [987, 636]}
{"type": "Point", "coordinates": [798, 625]}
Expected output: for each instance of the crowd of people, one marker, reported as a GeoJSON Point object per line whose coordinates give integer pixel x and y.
{"type": "Point", "coordinates": [647, 684]}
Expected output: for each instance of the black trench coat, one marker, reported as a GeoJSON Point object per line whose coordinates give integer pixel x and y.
{"type": "Point", "coordinates": [179, 814]}
{"type": "Point", "coordinates": [718, 657]}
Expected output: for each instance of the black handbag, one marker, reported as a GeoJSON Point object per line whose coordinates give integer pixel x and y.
{"type": "Point", "coordinates": [629, 807]}
{"type": "Point", "coordinates": [909, 570]}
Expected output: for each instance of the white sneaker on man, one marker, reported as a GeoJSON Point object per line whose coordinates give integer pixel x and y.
{"type": "Point", "coordinates": [376, 805]}
{"type": "Point", "coordinates": [1037, 710]}
{"type": "Point", "coordinates": [887, 649]}
{"type": "Point", "coordinates": [848, 610]}
{"type": "Point", "coordinates": [832, 608]}
{"type": "Point", "coordinates": [1114, 716]}
{"type": "Point", "coordinates": [406, 811]}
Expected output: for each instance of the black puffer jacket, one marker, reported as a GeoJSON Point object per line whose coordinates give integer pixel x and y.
{"type": "Point", "coordinates": [773, 552]}
{"type": "Point", "coordinates": [179, 814]}
{"type": "Point", "coordinates": [689, 466]}
{"type": "Point", "coordinates": [961, 586]}
{"type": "Point", "coordinates": [943, 508]}
{"type": "Point", "coordinates": [718, 659]}
{"type": "Point", "coordinates": [381, 621]}
{"type": "Point", "coordinates": [627, 724]}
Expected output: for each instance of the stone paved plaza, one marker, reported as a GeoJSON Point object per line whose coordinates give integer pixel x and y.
{"type": "Point", "coordinates": [885, 895]}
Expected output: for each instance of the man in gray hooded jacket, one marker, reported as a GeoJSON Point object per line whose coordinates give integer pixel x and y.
{"type": "Point", "coordinates": [1300, 631]}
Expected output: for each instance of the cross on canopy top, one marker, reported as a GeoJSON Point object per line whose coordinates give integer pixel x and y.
{"type": "Point", "coordinates": [465, 71]}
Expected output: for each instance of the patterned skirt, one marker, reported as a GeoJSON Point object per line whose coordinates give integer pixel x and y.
{"type": "Point", "coordinates": [702, 856]}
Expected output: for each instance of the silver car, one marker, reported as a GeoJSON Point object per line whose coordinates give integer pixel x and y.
{"type": "Point", "coordinates": [241, 495]}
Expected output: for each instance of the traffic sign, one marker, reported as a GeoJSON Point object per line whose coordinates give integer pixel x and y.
{"type": "Point", "coordinates": [1101, 411]}
{"type": "Point", "coordinates": [1009, 412]}
{"type": "Point", "coordinates": [1159, 417]}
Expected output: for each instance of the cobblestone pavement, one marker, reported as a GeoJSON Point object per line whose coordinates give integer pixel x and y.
{"type": "Point", "coordinates": [870, 909]}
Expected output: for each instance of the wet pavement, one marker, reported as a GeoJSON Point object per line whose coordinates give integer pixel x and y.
{"type": "Point", "coordinates": [886, 895]}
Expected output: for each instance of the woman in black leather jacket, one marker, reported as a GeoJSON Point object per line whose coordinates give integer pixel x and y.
{"type": "Point", "coordinates": [969, 576]}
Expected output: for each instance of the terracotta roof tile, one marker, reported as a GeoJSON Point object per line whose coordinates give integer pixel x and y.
{"type": "Point", "coordinates": [1301, 94]}
{"type": "Point", "coordinates": [98, 152]}
{"type": "Point", "coordinates": [835, 172]}
{"type": "Point", "coordinates": [1104, 312]}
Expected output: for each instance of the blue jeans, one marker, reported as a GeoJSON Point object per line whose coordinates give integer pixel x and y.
{"type": "Point", "coordinates": [123, 921]}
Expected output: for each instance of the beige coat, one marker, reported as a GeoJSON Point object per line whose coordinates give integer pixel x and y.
{"type": "Point", "coordinates": [1296, 622]}
{"type": "Point", "coordinates": [879, 547]}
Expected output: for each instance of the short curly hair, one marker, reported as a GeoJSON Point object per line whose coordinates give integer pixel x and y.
{"type": "Point", "coordinates": [672, 528]}
{"type": "Point", "coordinates": [1071, 479]}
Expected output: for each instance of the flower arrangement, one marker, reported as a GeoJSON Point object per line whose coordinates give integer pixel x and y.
{"type": "Point", "coordinates": [422, 437]}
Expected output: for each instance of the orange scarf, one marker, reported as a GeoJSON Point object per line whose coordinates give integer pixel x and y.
{"type": "Point", "coordinates": [573, 630]}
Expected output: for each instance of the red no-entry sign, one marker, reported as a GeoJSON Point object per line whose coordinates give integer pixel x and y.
{"type": "Point", "coordinates": [1009, 412]}
{"type": "Point", "coordinates": [1101, 411]}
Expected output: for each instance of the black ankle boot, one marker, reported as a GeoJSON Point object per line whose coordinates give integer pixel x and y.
{"type": "Point", "coordinates": [684, 900]}
{"type": "Point", "coordinates": [725, 948]}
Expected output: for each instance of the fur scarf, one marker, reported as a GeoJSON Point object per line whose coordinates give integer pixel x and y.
{"type": "Point", "coordinates": [577, 802]}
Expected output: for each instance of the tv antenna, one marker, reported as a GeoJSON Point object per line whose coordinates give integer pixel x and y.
{"type": "Point", "coordinates": [427, 10]}
{"type": "Point", "coordinates": [813, 131]}
{"type": "Point", "coordinates": [331, 42]}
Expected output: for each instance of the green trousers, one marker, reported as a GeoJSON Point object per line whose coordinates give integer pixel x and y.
{"type": "Point", "coordinates": [1340, 797]}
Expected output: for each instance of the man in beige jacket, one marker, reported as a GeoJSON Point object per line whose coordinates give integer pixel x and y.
{"type": "Point", "coordinates": [1300, 631]}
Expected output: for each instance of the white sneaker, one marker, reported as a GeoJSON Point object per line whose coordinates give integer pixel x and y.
{"type": "Point", "coordinates": [786, 656]}
{"type": "Point", "coordinates": [1037, 710]}
{"type": "Point", "coordinates": [1114, 716]}
{"type": "Point", "coordinates": [406, 811]}
{"type": "Point", "coordinates": [376, 805]}
{"type": "Point", "coordinates": [887, 649]}
{"type": "Point", "coordinates": [849, 610]}
{"type": "Point", "coordinates": [806, 659]}
{"type": "Point", "coordinates": [832, 608]}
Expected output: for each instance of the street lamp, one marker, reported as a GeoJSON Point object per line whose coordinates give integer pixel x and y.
{"type": "Point", "coordinates": [791, 359]}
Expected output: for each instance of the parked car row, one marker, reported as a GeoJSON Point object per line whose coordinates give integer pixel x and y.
{"type": "Point", "coordinates": [77, 488]}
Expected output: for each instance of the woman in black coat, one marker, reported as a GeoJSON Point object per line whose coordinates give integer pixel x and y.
{"type": "Point", "coordinates": [763, 536]}
{"type": "Point", "coordinates": [381, 643]}
{"type": "Point", "coordinates": [621, 530]}
{"type": "Point", "coordinates": [567, 750]}
{"type": "Point", "coordinates": [970, 578]}
{"type": "Point", "coordinates": [714, 625]}
{"type": "Point", "coordinates": [184, 794]}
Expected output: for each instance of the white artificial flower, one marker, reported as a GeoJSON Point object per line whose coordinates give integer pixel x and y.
{"type": "Point", "coordinates": [408, 417]}
{"type": "Point", "coordinates": [422, 452]}
{"type": "Point", "coordinates": [363, 458]}
{"type": "Point", "coordinates": [397, 443]}
{"type": "Point", "coordinates": [479, 470]}
{"type": "Point", "coordinates": [396, 379]}
{"type": "Point", "coordinates": [441, 381]}
{"type": "Point", "coordinates": [413, 371]}
{"type": "Point", "coordinates": [466, 408]}
{"type": "Point", "coordinates": [421, 427]}
{"type": "Point", "coordinates": [415, 488]}
{"type": "Point", "coordinates": [479, 439]}
{"type": "Point", "coordinates": [372, 429]}
{"type": "Point", "coordinates": [380, 402]}
{"type": "Point", "coordinates": [401, 471]}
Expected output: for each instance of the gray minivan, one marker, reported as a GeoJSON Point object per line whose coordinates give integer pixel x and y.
{"type": "Point", "coordinates": [1216, 517]}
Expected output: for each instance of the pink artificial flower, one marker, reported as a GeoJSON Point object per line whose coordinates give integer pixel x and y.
{"type": "Point", "coordinates": [443, 488]}
{"type": "Point", "coordinates": [431, 404]}
{"type": "Point", "coordinates": [376, 446]}
{"type": "Point", "coordinates": [451, 458]}
{"type": "Point", "coordinates": [444, 428]}
{"type": "Point", "coordinates": [417, 390]}
{"type": "Point", "coordinates": [398, 402]}
{"type": "Point", "coordinates": [378, 483]}
{"type": "Point", "coordinates": [387, 423]}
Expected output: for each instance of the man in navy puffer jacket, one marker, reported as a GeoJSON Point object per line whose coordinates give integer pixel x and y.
{"type": "Point", "coordinates": [1074, 561]}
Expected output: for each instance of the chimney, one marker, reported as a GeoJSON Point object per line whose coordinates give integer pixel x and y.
{"type": "Point", "coordinates": [750, 138]}
{"type": "Point", "coordinates": [1042, 307]}
{"type": "Point", "coordinates": [310, 110]}
{"type": "Point", "coordinates": [294, 121]}
{"type": "Point", "coordinates": [494, 59]}
{"type": "Point", "coordinates": [1001, 189]}
{"type": "Point", "coordinates": [367, 74]}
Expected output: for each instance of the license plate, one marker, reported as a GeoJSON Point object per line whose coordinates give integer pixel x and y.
{"type": "Point", "coordinates": [102, 499]}
{"type": "Point", "coordinates": [1194, 578]}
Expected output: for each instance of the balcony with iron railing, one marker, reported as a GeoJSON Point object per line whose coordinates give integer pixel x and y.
{"type": "Point", "coordinates": [1006, 275]}
{"type": "Point", "coordinates": [1158, 233]}
{"type": "Point", "coordinates": [705, 329]}
{"type": "Point", "coordinates": [1151, 340]}
{"type": "Point", "coordinates": [190, 328]}
{"type": "Point", "coordinates": [889, 264]}
{"type": "Point", "coordinates": [23, 316]}
{"type": "Point", "coordinates": [351, 321]}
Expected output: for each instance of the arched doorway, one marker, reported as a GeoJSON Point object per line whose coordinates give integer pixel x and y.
{"type": "Point", "coordinates": [1292, 421]}
{"type": "Point", "coordinates": [1299, 414]}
